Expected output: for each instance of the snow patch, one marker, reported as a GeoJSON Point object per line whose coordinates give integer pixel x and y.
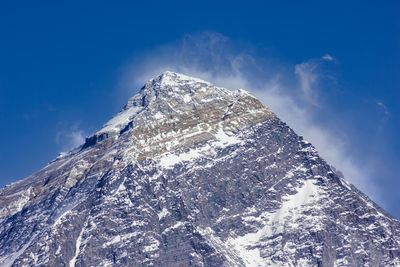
{"type": "Point", "coordinates": [292, 206]}
{"type": "Point", "coordinates": [164, 212]}
{"type": "Point", "coordinates": [115, 240]}
{"type": "Point", "coordinates": [158, 115]}
{"type": "Point", "coordinates": [21, 198]}
{"type": "Point", "coordinates": [118, 122]}
{"type": "Point", "coordinates": [186, 98]}
{"type": "Point", "coordinates": [172, 78]}
{"type": "Point", "coordinates": [77, 247]}
{"type": "Point", "coordinates": [222, 140]}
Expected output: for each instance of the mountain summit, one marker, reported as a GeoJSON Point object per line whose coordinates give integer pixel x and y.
{"type": "Point", "coordinates": [191, 174]}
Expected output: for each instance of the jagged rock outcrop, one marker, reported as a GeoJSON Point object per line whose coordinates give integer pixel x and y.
{"type": "Point", "coordinates": [190, 174]}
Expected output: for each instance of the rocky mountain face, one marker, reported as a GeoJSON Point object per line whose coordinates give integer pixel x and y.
{"type": "Point", "coordinates": [190, 174]}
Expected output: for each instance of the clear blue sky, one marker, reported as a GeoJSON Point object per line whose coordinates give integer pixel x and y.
{"type": "Point", "coordinates": [61, 65]}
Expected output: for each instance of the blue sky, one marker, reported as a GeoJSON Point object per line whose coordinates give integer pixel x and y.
{"type": "Point", "coordinates": [330, 70]}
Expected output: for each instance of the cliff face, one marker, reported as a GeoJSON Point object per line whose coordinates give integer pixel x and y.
{"type": "Point", "coordinates": [190, 174]}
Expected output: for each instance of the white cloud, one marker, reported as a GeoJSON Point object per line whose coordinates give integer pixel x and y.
{"type": "Point", "coordinates": [70, 139]}
{"type": "Point", "coordinates": [76, 138]}
{"type": "Point", "coordinates": [308, 76]}
{"type": "Point", "coordinates": [213, 57]}
{"type": "Point", "coordinates": [383, 107]}
{"type": "Point", "coordinates": [328, 57]}
{"type": "Point", "coordinates": [385, 115]}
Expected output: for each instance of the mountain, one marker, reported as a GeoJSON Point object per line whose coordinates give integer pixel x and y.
{"type": "Point", "coordinates": [190, 174]}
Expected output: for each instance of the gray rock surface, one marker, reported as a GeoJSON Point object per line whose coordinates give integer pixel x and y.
{"type": "Point", "coordinates": [190, 174]}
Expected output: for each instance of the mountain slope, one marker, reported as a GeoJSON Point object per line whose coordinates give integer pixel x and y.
{"type": "Point", "coordinates": [190, 174]}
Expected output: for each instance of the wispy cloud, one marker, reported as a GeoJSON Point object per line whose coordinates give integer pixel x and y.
{"type": "Point", "coordinates": [306, 72]}
{"type": "Point", "coordinates": [385, 115]}
{"type": "Point", "coordinates": [309, 73]}
{"type": "Point", "coordinates": [71, 138]}
{"type": "Point", "coordinates": [383, 107]}
{"type": "Point", "coordinates": [328, 57]}
{"type": "Point", "coordinates": [213, 57]}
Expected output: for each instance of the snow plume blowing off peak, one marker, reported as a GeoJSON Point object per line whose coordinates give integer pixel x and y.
{"type": "Point", "coordinates": [302, 94]}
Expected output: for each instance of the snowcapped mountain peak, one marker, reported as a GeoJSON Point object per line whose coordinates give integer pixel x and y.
{"type": "Point", "coordinates": [171, 95]}
{"type": "Point", "coordinates": [170, 82]}
{"type": "Point", "coordinates": [191, 174]}
{"type": "Point", "coordinates": [174, 79]}
{"type": "Point", "coordinates": [171, 85]}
